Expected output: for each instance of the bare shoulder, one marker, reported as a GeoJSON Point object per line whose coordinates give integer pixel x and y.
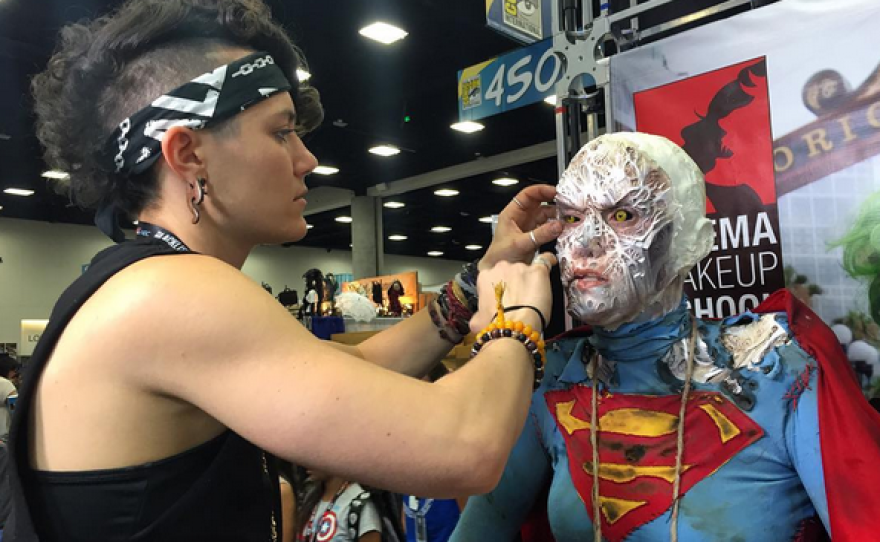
{"type": "Point", "coordinates": [175, 287]}
{"type": "Point", "coordinates": [179, 270]}
{"type": "Point", "coordinates": [170, 308]}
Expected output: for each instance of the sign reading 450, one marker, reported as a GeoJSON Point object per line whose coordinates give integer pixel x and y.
{"type": "Point", "coordinates": [514, 80]}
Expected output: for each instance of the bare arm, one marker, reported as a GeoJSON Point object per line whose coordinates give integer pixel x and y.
{"type": "Point", "coordinates": [372, 536]}
{"type": "Point", "coordinates": [395, 348]}
{"type": "Point", "coordinates": [227, 334]}
{"type": "Point", "coordinates": [512, 242]}
{"type": "Point", "coordinates": [288, 512]}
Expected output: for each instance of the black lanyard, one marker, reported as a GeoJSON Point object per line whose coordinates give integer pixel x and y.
{"type": "Point", "coordinates": [157, 232]}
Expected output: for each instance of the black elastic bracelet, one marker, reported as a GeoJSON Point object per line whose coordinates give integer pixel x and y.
{"type": "Point", "coordinates": [517, 307]}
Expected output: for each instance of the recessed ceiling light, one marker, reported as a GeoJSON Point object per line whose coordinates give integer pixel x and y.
{"type": "Point", "coordinates": [55, 174]}
{"type": "Point", "coordinates": [446, 192]}
{"type": "Point", "coordinates": [1, 207]}
{"type": "Point", "coordinates": [551, 100]}
{"type": "Point", "coordinates": [487, 220]}
{"type": "Point", "coordinates": [302, 75]}
{"type": "Point", "coordinates": [325, 170]}
{"type": "Point", "coordinates": [505, 181]}
{"type": "Point", "coordinates": [467, 127]}
{"type": "Point", "coordinates": [435, 253]}
{"type": "Point", "coordinates": [344, 219]}
{"type": "Point", "coordinates": [385, 150]}
{"type": "Point", "coordinates": [397, 237]}
{"type": "Point", "coordinates": [441, 229]}
{"type": "Point", "coordinates": [136, 222]}
{"type": "Point", "coordinates": [383, 32]}
{"type": "Point", "coordinates": [473, 247]}
{"type": "Point", "coordinates": [18, 192]}
{"type": "Point", "coordinates": [309, 226]}
{"type": "Point", "coordinates": [395, 204]}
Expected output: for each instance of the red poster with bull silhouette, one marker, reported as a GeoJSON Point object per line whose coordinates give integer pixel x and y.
{"type": "Point", "coordinates": [722, 120]}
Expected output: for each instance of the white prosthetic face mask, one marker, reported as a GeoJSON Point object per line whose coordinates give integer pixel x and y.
{"type": "Point", "coordinates": [620, 252]}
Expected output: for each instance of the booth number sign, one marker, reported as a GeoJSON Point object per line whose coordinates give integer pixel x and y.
{"type": "Point", "coordinates": [517, 79]}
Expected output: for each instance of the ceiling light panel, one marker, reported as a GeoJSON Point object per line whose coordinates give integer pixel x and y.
{"type": "Point", "coordinates": [487, 220]}
{"type": "Point", "coordinates": [473, 247]}
{"type": "Point", "coordinates": [397, 237]}
{"type": "Point", "coordinates": [435, 253]}
{"type": "Point", "coordinates": [325, 170]}
{"type": "Point", "coordinates": [57, 175]}
{"type": "Point", "coordinates": [385, 150]}
{"type": "Point", "coordinates": [18, 192]}
{"type": "Point", "coordinates": [344, 219]}
{"type": "Point", "coordinates": [383, 32]}
{"type": "Point", "coordinates": [394, 204]}
{"type": "Point", "coordinates": [441, 229]}
{"type": "Point", "coordinates": [505, 181]}
{"type": "Point", "coordinates": [446, 192]}
{"type": "Point", "coordinates": [467, 127]}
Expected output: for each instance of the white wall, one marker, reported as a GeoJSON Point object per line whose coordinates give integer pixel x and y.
{"type": "Point", "coordinates": [40, 260]}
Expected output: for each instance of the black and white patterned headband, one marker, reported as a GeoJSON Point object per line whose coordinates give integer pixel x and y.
{"type": "Point", "coordinates": [136, 143]}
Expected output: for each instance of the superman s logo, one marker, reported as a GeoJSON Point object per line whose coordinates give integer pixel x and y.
{"type": "Point", "coordinates": [637, 449]}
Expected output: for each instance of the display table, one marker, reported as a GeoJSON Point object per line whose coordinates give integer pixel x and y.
{"type": "Point", "coordinates": [325, 326]}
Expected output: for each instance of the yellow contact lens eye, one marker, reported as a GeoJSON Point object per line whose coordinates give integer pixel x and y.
{"type": "Point", "coordinates": [622, 215]}
{"type": "Point", "coordinates": [570, 219]}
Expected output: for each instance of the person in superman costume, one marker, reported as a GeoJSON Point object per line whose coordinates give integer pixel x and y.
{"type": "Point", "coordinates": [751, 429]}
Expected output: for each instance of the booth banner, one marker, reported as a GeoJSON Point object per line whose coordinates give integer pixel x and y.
{"type": "Point", "coordinates": [780, 107]}
{"type": "Point", "coordinates": [737, 159]}
{"type": "Point", "coordinates": [517, 79]}
{"type": "Point", "coordinates": [526, 21]}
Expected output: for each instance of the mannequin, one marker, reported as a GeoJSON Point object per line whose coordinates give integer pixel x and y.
{"type": "Point", "coordinates": [377, 292]}
{"type": "Point", "coordinates": [314, 293]}
{"type": "Point", "coordinates": [330, 286]}
{"type": "Point", "coordinates": [394, 293]}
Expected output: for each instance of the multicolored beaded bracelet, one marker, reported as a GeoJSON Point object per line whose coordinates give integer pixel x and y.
{"type": "Point", "coordinates": [502, 328]}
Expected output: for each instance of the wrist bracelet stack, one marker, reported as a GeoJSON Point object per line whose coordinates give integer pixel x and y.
{"type": "Point", "coordinates": [452, 311]}
{"type": "Point", "coordinates": [503, 328]}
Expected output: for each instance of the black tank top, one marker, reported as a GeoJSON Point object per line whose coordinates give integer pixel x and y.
{"type": "Point", "coordinates": [224, 489]}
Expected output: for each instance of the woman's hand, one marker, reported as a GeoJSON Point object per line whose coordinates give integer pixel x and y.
{"type": "Point", "coordinates": [512, 241]}
{"type": "Point", "coordinates": [526, 285]}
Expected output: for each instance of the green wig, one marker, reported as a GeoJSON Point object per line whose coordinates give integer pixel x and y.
{"type": "Point", "coordinates": [861, 250]}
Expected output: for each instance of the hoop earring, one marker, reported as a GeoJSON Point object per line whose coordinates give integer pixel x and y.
{"type": "Point", "coordinates": [201, 192]}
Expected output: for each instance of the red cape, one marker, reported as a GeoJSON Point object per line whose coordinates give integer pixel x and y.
{"type": "Point", "coordinates": [849, 431]}
{"type": "Point", "coordinates": [849, 428]}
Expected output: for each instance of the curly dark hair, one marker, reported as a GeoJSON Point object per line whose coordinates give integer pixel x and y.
{"type": "Point", "coordinates": [109, 68]}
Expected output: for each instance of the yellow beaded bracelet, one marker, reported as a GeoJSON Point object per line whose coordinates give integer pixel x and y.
{"type": "Point", "coordinates": [503, 328]}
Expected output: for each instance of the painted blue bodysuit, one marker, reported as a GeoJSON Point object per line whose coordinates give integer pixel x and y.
{"type": "Point", "coordinates": [752, 468]}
